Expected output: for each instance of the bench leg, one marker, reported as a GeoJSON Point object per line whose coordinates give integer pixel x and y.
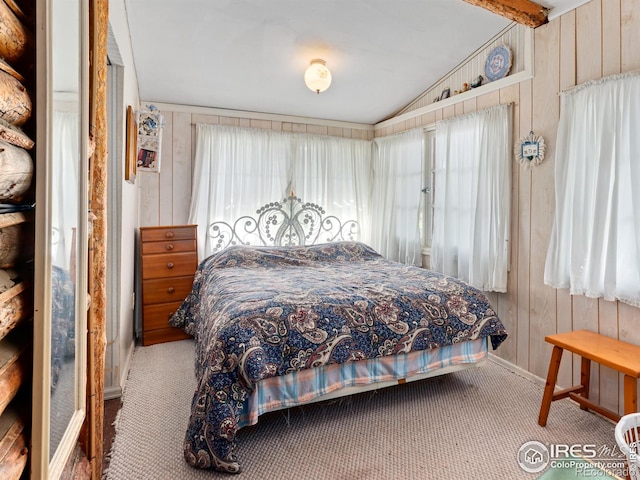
{"type": "Point", "coordinates": [585, 379]}
{"type": "Point", "coordinates": [550, 386]}
{"type": "Point", "coordinates": [630, 395]}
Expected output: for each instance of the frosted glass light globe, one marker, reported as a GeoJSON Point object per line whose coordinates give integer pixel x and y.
{"type": "Point", "coordinates": [317, 77]}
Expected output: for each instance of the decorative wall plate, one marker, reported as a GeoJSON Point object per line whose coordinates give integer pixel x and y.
{"type": "Point", "coordinates": [498, 63]}
{"type": "Point", "coordinates": [530, 150]}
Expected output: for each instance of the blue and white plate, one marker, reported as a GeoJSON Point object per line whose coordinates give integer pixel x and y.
{"type": "Point", "coordinates": [498, 63]}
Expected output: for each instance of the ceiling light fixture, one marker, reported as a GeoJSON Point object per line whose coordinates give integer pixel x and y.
{"type": "Point", "coordinates": [317, 76]}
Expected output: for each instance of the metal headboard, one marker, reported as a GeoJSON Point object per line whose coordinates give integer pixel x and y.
{"type": "Point", "coordinates": [285, 223]}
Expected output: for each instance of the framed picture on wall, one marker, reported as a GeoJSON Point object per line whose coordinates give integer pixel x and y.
{"type": "Point", "coordinates": [131, 146]}
{"type": "Point", "coordinates": [148, 153]}
{"type": "Point", "coordinates": [149, 139]}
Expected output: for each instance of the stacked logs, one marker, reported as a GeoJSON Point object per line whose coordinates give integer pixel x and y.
{"type": "Point", "coordinates": [16, 293]}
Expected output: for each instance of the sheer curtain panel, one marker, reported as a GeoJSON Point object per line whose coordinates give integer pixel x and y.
{"type": "Point", "coordinates": [65, 162]}
{"type": "Point", "coordinates": [472, 198]}
{"type": "Point", "coordinates": [236, 172]}
{"type": "Point", "coordinates": [396, 195]}
{"type": "Point", "coordinates": [334, 173]}
{"type": "Point", "coordinates": [595, 241]}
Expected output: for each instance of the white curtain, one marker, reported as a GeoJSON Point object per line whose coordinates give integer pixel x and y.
{"type": "Point", "coordinates": [472, 198]}
{"type": "Point", "coordinates": [335, 173]}
{"type": "Point", "coordinates": [237, 170]}
{"type": "Point", "coordinates": [396, 195]}
{"type": "Point", "coordinates": [65, 162]}
{"type": "Point", "coordinates": [595, 240]}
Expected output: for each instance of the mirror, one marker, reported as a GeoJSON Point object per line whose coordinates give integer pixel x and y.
{"type": "Point", "coordinates": [65, 216]}
{"type": "Point", "coordinates": [60, 284]}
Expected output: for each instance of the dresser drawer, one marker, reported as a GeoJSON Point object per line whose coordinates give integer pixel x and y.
{"type": "Point", "coordinates": [161, 335]}
{"type": "Point", "coordinates": [163, 290]}
{"type": "Point", "coordinates": [169, 265]}
{"type": "Point", "coordinates": [157, 316]}
{"type": "Point", "coordinates": [156, 234]}
{"type": "Point", "coordinates": [168, 246]}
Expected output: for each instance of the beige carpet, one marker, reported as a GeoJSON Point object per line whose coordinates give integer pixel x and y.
{"type": "Point", "coordinates": [469, 424]}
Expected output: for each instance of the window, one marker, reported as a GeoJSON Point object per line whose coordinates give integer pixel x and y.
{"type": "Point", "coordinates": [471, 198]}
{"type": "Point", "coordinates": [595, 241]}
{"type": "Point", "coordinates": [428, 188]}
{"type": "Point", "coordinates": [395, 196]}
{"type": "Point", "coordinates": [238, 170]}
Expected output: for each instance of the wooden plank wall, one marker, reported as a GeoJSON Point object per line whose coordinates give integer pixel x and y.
{"type": "Point", "coordinates": [600, 38]}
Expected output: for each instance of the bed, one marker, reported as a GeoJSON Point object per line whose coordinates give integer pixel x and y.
{"type": "Point", "coordinates": [283, 323]}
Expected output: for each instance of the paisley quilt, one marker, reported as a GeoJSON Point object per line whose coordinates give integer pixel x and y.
{"type": "Point", "coordinates": [258, 312]}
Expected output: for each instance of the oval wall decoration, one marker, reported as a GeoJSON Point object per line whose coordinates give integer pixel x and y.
{"type": "Point", "coordinates": [498, 63]}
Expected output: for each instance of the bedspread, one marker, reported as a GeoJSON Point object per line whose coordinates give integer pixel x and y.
{"type": "Point", "coordinates": [257, 312]}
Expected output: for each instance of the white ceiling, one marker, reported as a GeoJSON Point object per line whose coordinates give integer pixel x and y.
{"type": "Point", "coordinates": [251, 54]}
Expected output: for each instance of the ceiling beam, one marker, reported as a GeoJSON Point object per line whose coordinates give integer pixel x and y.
{"type": "Point", "coordinates": [524, 12]}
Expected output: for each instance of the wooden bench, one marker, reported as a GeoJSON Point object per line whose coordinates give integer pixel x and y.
{"type": "Point", "coordinates": [616, 354]}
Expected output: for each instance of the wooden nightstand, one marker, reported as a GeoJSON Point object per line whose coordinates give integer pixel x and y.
{"type": "Point", "coordinates": [168, 262]}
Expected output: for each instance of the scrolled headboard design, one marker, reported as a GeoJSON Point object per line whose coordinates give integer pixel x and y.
{"type": "Point", "coordinates": [283, 223]}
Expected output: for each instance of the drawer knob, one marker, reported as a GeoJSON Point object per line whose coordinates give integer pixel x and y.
{"type": "Point", "coordinates": [170, 290]}
{"type": "Point", "coordinates": [169, 234]}
{"type": "Point", "coordinates": [170, 265]}
{"type": "Point", "coordinates": [169, 246]}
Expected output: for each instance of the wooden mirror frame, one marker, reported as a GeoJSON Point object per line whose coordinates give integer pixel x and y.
{"type": "Point", "coordinates": [46, 464]}
{"type": "Point", "coordinates": [131, 153]}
